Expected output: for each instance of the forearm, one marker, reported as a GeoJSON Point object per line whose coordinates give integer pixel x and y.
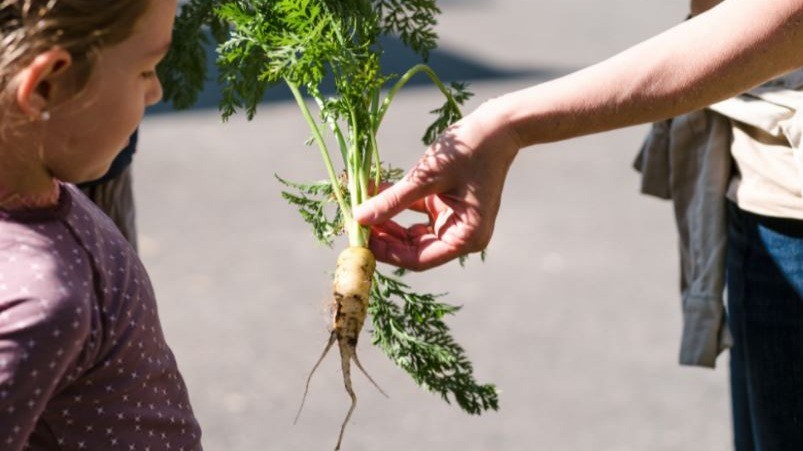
{"type": "Point", "coordinates": [725, 51]}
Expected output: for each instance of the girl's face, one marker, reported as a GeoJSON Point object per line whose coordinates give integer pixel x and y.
{"type": "Point", "coordinates": [86, 133]}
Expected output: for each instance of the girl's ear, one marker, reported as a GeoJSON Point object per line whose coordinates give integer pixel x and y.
{"type": "Point", "coordinates": [36, 82]}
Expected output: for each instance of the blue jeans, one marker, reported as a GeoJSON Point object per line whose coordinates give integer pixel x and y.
{"type": "Point", "coordinates": [765, 313]}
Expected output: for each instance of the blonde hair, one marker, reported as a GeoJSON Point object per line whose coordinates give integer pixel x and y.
{"type": "Point", "coordinates": [81, 27]}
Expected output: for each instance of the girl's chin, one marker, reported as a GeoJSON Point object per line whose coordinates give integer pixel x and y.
{"type": "Point", "coordinates": [86, 177]}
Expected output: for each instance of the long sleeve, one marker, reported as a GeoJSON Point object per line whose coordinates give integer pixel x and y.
{"type": "Point", "coordinates": [42, 331]}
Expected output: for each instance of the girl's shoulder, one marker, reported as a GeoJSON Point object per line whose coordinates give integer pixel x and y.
{"type": "Point", "coordinates": [75, 220]}
{"type": "Point", "coordinates": [62, 254]}
{"type": "Point", "coordinates": [41, 259]}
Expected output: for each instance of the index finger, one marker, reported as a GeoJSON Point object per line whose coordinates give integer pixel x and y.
{"type": "Point", "coordinates": [418, 205]}
{"type": "Point", "coordinates": [387, 203]}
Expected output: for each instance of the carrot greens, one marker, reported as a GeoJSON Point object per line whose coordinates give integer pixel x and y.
{"type": "Point", "coordinates": [305, 44]}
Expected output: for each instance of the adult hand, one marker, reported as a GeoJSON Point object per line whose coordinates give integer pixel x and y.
{"type": "Point", "coordinates": [457, 183]}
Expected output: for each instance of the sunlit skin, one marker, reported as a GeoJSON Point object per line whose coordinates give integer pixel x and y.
{"type": "Point", "coordinates": [52, 131]}
{"type": "Point", "coordinates": [458, 182]}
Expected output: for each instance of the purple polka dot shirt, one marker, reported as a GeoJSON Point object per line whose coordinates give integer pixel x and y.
{"type": "Point", "coordinates": [83, 361]}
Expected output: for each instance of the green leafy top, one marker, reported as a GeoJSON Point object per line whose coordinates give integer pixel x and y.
{"type": "Point", "coordinates": [413, 21]}
{"type": "Point", "coordinates": [410, 329]}
{"type": "Point", "coordinates": [263, 42]}
{"type": "Point", "coordinates": [183, 71]}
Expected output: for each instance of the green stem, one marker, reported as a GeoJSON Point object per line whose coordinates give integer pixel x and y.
{"type": "Point", "coordinates": [374, 145]}
{"type": "Point", "coordinates": [358, 235]}
{"type": "Point", "coordinates": [378, 115]}
{"type": "Point", "coordinates": [377, 164]}
{"type": "Point", "coordinates": [327, 160]}
{"type": "Point", "coordinates": [341, 141]}
{"type": "Point", "coordinates": [403, 81]}
{"type": "Point", "coordinates": [363, 176]}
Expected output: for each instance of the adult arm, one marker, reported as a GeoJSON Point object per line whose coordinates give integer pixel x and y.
{"type": "Point", "coordinates": [458, 182]}
{"type": "Point", "coordinates": [727, 50]}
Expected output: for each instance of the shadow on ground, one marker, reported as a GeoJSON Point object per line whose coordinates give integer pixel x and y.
{"type": "Point", "coordinates": [397, 59]}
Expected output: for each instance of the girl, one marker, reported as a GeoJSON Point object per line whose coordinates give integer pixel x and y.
{"type": "Point", "coordinates": [83, 362]}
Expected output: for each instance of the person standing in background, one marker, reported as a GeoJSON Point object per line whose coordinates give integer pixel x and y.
{"type": "Point", "coordinates": [114, 193]}
{"type": "Point", "coordinates": [733, 173]}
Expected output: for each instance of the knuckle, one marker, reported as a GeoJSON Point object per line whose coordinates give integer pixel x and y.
{"type": "Point", "coordinates": [394, 196]}
{"type": "Point", "coordinates": [478, 240]}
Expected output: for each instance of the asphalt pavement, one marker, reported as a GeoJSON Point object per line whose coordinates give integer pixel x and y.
{"type": "Point", "coordinates": [575, 315]}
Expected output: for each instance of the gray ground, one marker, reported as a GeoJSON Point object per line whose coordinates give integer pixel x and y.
{"type": "Point", "coordinates": [574, 316]}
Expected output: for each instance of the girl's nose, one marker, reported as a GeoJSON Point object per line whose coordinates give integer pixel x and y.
{"type": "Point", "coordinates": [155, 92]}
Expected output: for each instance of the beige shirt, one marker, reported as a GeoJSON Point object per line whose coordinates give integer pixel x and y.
{"type": "Point", "coordinates": [766, 147]}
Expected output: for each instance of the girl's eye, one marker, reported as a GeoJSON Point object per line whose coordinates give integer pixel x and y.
{"type": "Point", "coordinates": [148, 74]}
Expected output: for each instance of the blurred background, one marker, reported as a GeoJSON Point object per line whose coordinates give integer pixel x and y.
{"type": "Point", "coordinates": [575, 315]}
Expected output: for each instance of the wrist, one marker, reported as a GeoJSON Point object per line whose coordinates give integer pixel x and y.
{"type": "Point", "coordinates": [527, 116]}
{"type": "Point", "coordinates": [494, 118]}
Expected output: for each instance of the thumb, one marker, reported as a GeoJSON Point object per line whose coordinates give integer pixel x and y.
{"type": "Point", "coordinates": [391, 202]}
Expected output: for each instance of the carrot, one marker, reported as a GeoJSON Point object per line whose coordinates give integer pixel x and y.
{"type": "Point", "coordinates": [304, 44]}
{"type": "Point", "coordinates": [351, 292]}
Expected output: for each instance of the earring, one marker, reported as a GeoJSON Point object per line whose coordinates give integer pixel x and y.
{"type": "Point", "coordinates": [45, 116]}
